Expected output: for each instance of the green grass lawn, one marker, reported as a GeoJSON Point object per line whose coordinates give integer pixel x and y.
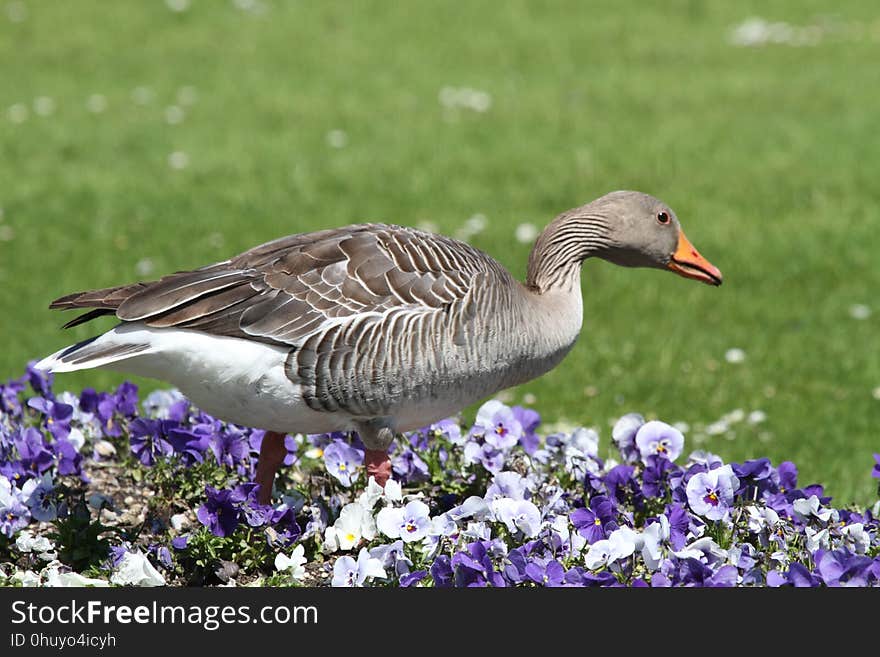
{"type": "Point", "coordinates": [304, 115]}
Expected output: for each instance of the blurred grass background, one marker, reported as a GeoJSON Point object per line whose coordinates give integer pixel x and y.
{"type": "Point", "coordinates": [142, 138]}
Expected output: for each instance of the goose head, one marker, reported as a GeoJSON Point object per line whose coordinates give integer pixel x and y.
{"type": "Point", "coordinates": [642, 231]}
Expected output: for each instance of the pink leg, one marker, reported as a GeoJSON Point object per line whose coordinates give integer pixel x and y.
{"type": "Point", "coordinates": [272, 453]}
{"type": "Point", "coordinates": [378, 465]}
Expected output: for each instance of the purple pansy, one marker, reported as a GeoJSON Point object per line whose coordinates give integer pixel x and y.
{"type": "Point", "coordinates": [14, 515]}
{"type": "Point", "coordinates": [710, 494]}
{"type": "Point", "coordinates": [409, 467]}
{"type": "Point", "coordinates": [410, 523]}
{"type": "Point", "coordinates": [843, 568]}
{"type": "Point", "coordinates": [40, 497]}
{"type": "Point", "coordinates": [550, 573]}
{"type": "Point", "coordinates": [659, 439]}
{"type": "Point", "coordinates": [498, 425]}
{"type": "Point", "coordinates": [148, 441]}
{"type": "Point", "coordinates": [221, 512]}
{"type": "Point", "coordinates": [679, 523]}
{"type": "Point", "coordinates": [624, 436]}
{"type": "Point", "coordinates": [441, 572]}
{"type": "Point", "coordinates": [40, 381]}
{"type": "Point", "coordinates": [69, 459]}
{"type": "Point", "coordinates": [229, 448]}
{"type": "Point", "coordinates": [529, 420]}
{"type": "Point", "coordinates": [35, 456]}
{"type": "Point", "coordinates": [597, 521]}
{"type": "Point", "coordinates": [56, 415]}
{"type": "Point", "coordinates": [342, 461]}
{"type": "Point", "coordinates": [473, 567]}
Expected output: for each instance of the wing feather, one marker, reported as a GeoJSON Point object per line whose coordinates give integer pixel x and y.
{"type": "Point", "coordinates": [284, 291]}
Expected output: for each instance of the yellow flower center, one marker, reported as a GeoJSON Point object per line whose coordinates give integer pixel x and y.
{"type": "Point", "coordinates": [343, 467]}
{"type": "Point", "coordinates": [597, 522]}
{"type": "Point", "coordinates": [350, 537]}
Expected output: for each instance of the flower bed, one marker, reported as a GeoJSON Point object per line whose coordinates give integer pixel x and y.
{"type": "Point", "coordinates": [99, 489]}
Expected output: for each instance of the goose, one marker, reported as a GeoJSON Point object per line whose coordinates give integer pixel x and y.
{"type": "Point", "coordinates": [372, 328]}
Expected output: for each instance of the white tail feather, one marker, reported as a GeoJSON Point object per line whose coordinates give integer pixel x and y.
{"type": "Point", "coordinates": [111, 347]}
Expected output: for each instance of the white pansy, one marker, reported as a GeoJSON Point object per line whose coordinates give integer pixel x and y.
{"type": "Point", "coordinates": [372, 494]}
{"type": "Point", "coordinates": [518, 515]}
{"type": "Point", "coordinates": [704, 549]}
{"type": "Point", "coordinates": [473, 507]}
{"type": "Point", "coordinates": [393, 491]}
{"type": "Point", "coordinates": [53, 577]}
{"type": "Point", "coordinates": [294, 564]}
{"type": "Point", "coordinates": [40, 545]}
{"type": "Point", "coordinates": [857, 538]}
{"type": "Point", "coordinates": [761, 518]}
{"type": "Point", "coordinates": [477, 531]}
{"type": "Point", "coordinates": [348, 572]}
{"type": "Point", "coordinates": [653, 537]}
{"type": "Point", "coordinates": [598, 555]}
{"type": "Point", "coordinates": [804, 509]}
{"type": "Point", "coordinates": [624, 542]}
{"type": "Point", "coordinates": [817, 539]}
{"type": "Point", "coordinates": [354, 523]}
{"type": "Point", "coordinates": [136, 570]}
{"type": "Point", "coordinates": [443, 525]}
{"type": "Point", "coordinates": [25, 578]}
{"type": "Point", "coordinates": [76, 438]}
{"type": "Point", "coordinates": [105, 448]}
{"type": "Point", "coordinates": [179, 521]}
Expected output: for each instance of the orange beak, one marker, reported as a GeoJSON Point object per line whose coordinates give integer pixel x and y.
{"type": "Point", "coordinates": [687, 262]}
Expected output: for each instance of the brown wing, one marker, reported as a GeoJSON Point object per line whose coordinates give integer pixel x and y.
{"type": "Point", "coordinates": [283, 291]}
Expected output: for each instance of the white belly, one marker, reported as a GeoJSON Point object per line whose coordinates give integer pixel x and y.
{"type": "Point", "coordinates": [235, 380]}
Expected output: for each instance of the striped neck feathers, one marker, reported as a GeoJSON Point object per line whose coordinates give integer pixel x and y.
{"type": "Point", "coordinates": [555, 260]}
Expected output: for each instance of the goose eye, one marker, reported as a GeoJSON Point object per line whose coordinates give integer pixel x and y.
{"type": "Point", "coordinates": [663, 217]}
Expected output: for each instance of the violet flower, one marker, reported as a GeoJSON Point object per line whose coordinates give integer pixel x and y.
{"type": "Point", "coordinates": [348, 572]}
{"type": "Point", "coordinates": [32, 451]}
{"type": "Point", "coordinates": [710, 494]}
{"type": "Point", "coordinates": [411, 523]}
{"type": "Point", "coordinates": [473, 567]}
{"type": "Point", "coordinates": [597, 521]}
{"type": "Point", "coordinates": [14, 515]}
{"type": "Point", "coordinates": [342, 461]}
{"type": "Point", "coordinates": [659, 439]}
{"type": "Point", "coordinates": [55, 414]}
{"type": "Point", "coordinates": [843, 568]}
{"type": "Point", "coordinates": [409, 467]}
{"type": "Point", "coordinates": [229, 448]}
{"type": "Point", "coordinates": [529, 421]}
{"type": "Point", "coordinates": [624, 436]}
{"type": "Point", "coordinates": [148, 442]}
{"type": "Point", "coordinates": [498, 425]}
{"type": "Point", "coordinates": [550, 574]}
{"type": "Point", "coordinates": [221, 512]}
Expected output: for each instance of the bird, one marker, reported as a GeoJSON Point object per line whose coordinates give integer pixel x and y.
{"type": "Point", "coordinates": [370, 328]}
